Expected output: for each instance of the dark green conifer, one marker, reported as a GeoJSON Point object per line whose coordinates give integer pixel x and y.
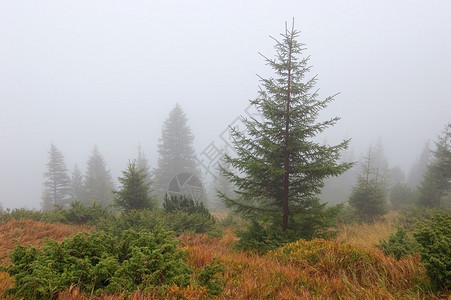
{"type": "Point", "coordinates": [134, 191]}
{"type": "Point", "coordinates": [279, 168]}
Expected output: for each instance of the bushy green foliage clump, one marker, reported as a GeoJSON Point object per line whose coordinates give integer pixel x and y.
{"type": "Point", "coordinates": [431, 231]}
{"type": "Point", "coordinates": [175, 203]}
{"type": "Point", "coordinates": [399, 244]}
{"type": "Point", "coordinates": [183, 214]}
{"type": "Point", "coordinates": [411, 216]}
{"type": "Point", "coordinates": [183, 222]}
{"type": "Point", "coordinates": [209, 278]}
{"type": "Point", "coordinates": [19, 213]}
{"type": "Point", "coordinates": [257, 237]}
{"type": "Point", "coordinates": [261, 236]}
{"type": "Point", "coordinates": [50, 216]}
{"type": "Point", "coordinates": [137, 220]}
{"type": "Point", "coordinates": [98, 263]}
{"type": "Point", "coordinates": [179, 222]}
{"type": "Point", "coordinates": [78, 213]}
{"type": "Point", "coordinates": [434, 237]}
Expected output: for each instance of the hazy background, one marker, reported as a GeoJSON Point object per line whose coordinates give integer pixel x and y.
{"type": "Point", "coordinates": [107, 73]}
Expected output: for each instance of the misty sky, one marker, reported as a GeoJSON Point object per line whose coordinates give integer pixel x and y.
{"type": "Point", "coordinates": [107, 73]}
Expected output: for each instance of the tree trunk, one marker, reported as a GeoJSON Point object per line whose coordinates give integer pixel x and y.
{"type": "Point", "coordinates": [286, 180]}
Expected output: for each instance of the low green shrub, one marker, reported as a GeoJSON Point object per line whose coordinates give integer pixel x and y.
{"type": "Point", "coordinates": [179, 222]}
{"type": "Point", "coordinates": [260, 238]}
{"type": "Point", "coordinates": [137, 220]}
{"type": "Point", "coordinates": [266, 233]}
{"type": "Point", "coordinates": [208, 277]}
{"type": "Point", "coordinates": [78, 213]}
{"type": "Point", "coordinates": [174, 203]}
{"type": "Point", "coordinates": [434, 237]}
{"type": "Point", "coordinates": [399, 244]}
{"type": "Point", "coordinates": [183, 214]}
{"type": "Point", "coordinates": [97, 263]}
{"type": "Point", "coordinates": [410, 216]}
{"type": "Point", "coordinates": [19, 214]}
{"type": "Point", "coordinates": [183, 222]}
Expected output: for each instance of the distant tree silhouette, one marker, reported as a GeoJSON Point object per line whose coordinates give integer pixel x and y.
{"type": "Point", "coordinates": [78, 190]}
{"type": "Point", "coordinates": [434, 190]}
{"type": "Point", "coordinates": [419, 168]}
{"type": "Point", "coordinates": [57, 184]}
{"type": "Point", "coordinates": [369, 196]}
{"type": "Point", "coordinates": [98, 182]}
{"type": "Point", "coordinates": [175, 150]}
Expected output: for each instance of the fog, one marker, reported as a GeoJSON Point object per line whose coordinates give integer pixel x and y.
{"type": "Point", "coordinates": [107, 73]}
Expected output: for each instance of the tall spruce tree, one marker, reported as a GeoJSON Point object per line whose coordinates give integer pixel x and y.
{"type": "Point", "coordinates": [434, 190]}
{"type": "Point", "coordinates": [176, 152]}
{"type": "Point", "coordinates": [134, 189]}
{"type": "Point", "coordinates": [98, 182]}
{"type": "Point", "coordinates": [57, 184]}
{"type": "Point", "coordinates": [279, 168]}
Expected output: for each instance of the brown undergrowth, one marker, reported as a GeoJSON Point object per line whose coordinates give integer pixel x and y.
{"type": "Point", "coordinates": [317, 269]}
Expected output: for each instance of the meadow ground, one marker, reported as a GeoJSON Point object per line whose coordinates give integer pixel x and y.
{"type": "Point", "coordinates": [351, 267]}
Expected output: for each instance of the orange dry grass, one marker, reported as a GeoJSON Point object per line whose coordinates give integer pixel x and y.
{"type": "Point", "coordinates": [368, 235]}
{"type": "Point", "coordinates": [173, 292]}
{"type": "Point", "coordinates": [28, 232]}
{"type": "Point", "coordinates": [338, 275]}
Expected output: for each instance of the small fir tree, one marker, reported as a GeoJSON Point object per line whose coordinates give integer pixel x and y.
{"type": "Point", "coordinates": [57, 184]}
{"type": "Point", "coordinates": [369, 197]}
{"type": "Point", "coordinates": [134, 191]}
{"type": "Point", "coordinates": [279, 168]}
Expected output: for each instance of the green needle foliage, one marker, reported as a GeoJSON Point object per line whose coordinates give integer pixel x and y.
{"type": "Point", "coordinates": [174, 203]}
{"type": "Point", "coordinates": [209, 277]}
{"type": "Point", "coordinates": [399, 244]}
{"type": "Point", "coordinates": [434, 191]}
{"type": "Point", "coordinates": [97, 263]}
{"type": "Point", "coordinates": [134, 192]}
{"type": "Point", "coordinates": [434, 237]}
{"type": "Point", "coordinates": [279, 168]}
